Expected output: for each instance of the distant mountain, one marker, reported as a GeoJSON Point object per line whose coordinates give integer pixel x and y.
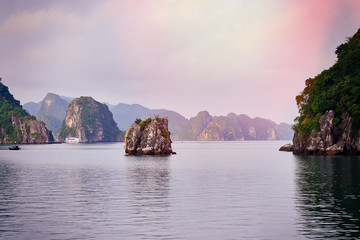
{"type": "Point", "coordinates": [126, 114]}
{"type": "Point", "coordinates": [68, 99]}
{"type": "Point", "coordinates": [232, 127]}
{"type": "Point", "coordinates": [192, 129]}
{"type": "Point", "coordinates": [90, 121]}
{"type": "Point", "coordinates": [52, 111]}
{"type": "Point", "coordinates": [110, 106]}
{"type": "Point", "coordinates": [285, 131]}
{"type": "Point", "coordinates": [32, 107]}
{"type": "Point", "coordinates": [176, 121]}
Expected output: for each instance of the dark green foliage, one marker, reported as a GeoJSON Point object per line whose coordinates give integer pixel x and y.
{"type": "Point", "coordinates": [93, 116]}
{"type": "Point", "coordinates": [9, 107]}
{"type": "Point", "coordinates": [165, 133]}
{"type": "Point", "coordinates": [66, 131]}
{"type": "Point", "coordinates": [27, 128]}
{"type": "Point", "coordinates": [13, 136]}
{"type": "Point", "coordinates": [122, 134]}
{"type": "Point", "coordinates": [51, 138]}
{"type": "Point", "coordinates": [35, 134]}
{"type": "Point", "coordinates": [145, 122]}
{"type": "Point", "coordinates": [100, 115]}
{"type": "Point", "coordinates": [337, 88]}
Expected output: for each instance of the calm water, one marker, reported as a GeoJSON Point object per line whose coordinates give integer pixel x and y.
{"type": "Point", "coordinates": [209, 190]}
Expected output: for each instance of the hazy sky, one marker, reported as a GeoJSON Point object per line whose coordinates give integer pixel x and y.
{"type": "Point", "coordinates": [241, 56]}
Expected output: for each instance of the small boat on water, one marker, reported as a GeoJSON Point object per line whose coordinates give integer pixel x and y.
{"type": "Point", "coordinates": [73, 140]}
{"type": "Point", "coordinates": [14, 147]}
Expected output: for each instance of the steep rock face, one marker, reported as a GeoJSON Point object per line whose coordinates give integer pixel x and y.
{"type": "Point", "coordinates": [319, 141]}
{"type": "Point", "coordinates": [212, 132]}
{"type": "Point", "coordinates": [16, 125]}
{"type": "Point", "coordinates": [52, 111]}
{"type": "Point", "coordinates": [221, 129]}
{"type": "Point", "coordinates": [329, 140]}
{"type": "Point", "coordinates": [149, 137]}
{"type": "Point", "coordinates": [29, 131]}
{"type": "Point", "coordinates": [90, 121]}
{"type": "Point", "coordinates": [195, 126]}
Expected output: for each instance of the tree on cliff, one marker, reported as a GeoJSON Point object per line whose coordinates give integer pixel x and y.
{"type": "Point", "coordinates": [337, 89]}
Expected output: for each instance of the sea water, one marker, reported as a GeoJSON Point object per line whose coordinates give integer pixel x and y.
{"type": "Point", "coordinates": [208, 190]}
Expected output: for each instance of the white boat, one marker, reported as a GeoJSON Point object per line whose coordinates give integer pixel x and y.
{"type": "Point", "coordinates": [73, 140]}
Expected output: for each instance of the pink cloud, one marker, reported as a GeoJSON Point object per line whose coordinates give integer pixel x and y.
{"type": "Point", "coordinates": [302, 33]}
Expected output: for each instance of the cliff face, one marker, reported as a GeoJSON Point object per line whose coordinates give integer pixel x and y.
{"type": "Point", "coordinates": [330, 139]}
{"type": "Point", "coordinates": [90, 121]}
{"type": "Point", "coordinates": [221, 129]}
{"type": "Point", "coordinates": [52, 111]}
{"type": "Point", "coordinates": [149, 137]}
{"type": "Point", "coordinates": [194, 127]}
{"type": "Point", "coordinates": [27, 131]}
{"type": "Point", "coordinates": [233, 127]}
{"type": "Point", "coordinates": [16, 125]}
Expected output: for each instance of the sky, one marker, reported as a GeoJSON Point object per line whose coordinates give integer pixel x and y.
{"type": "Point", "coordinates": [241, 56]}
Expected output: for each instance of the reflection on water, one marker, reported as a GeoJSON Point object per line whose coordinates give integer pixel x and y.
{"type": "Point", "coordinates": [147, 184]}
{"type": "Point", "coordinates": [328, 197]}
{"type": "Point", "coordinates": [8, 175]}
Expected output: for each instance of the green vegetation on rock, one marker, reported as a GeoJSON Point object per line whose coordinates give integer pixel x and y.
{"type": "Point", "coordinates": [138, 121]}
{"type": "Point", "coordinates": [90, 121]}
{"type": "Point", "coordinates": [9, 107]}
{"type": "Point", "coordinates": [12, 115]}
{"type": "Point", "coordinates": [145, 122]}
{"type": "Point", "coordinates": [165, 133]}
{"type": "Point", "coordinates": [66, 131]}
{"type": "Point", "coordinates": [337, 89]}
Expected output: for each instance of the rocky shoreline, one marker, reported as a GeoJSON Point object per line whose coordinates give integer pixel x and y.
{"type": "Point", "coordinates": [329, 140]}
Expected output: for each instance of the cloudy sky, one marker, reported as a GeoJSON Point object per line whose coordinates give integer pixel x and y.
{"type": "Point", "coordinates": [241, 56]}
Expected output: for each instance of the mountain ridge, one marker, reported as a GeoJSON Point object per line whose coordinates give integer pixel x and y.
{"type": "Point", "coordinates": [125, 114]}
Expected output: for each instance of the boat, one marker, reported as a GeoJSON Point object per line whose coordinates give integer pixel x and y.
{"type": "Point", "coordinates": [73, 140]}
{"type": "Point", "coordinates": [14, 147]}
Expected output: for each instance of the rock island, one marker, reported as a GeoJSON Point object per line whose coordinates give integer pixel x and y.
{"type": "Point", "coordinates": [148, 137]}
{"type": "Point", "coordinates": [329, 107]}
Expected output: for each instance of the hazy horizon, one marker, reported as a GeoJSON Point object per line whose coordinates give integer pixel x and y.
{"type": "Point", "coordinates": [246, 57]}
